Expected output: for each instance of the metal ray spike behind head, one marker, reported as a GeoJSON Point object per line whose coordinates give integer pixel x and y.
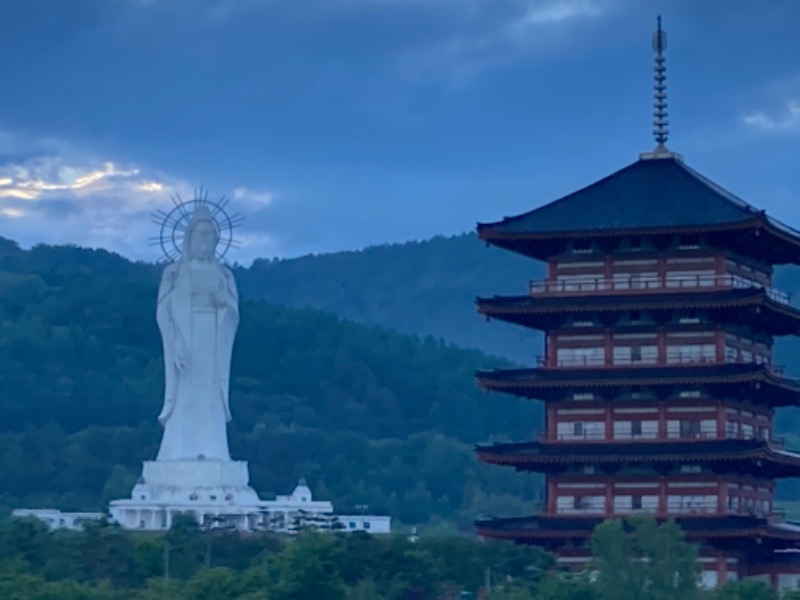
{"type": "Point", "coordinates": [660, 122]}
{"type": "Point", "coordinates": [173, 224]}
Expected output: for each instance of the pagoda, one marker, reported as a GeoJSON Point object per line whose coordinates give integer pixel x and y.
{"type": "Point", "coordinates": [658, 378]}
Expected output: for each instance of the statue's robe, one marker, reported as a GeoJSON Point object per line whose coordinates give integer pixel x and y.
{"type": "Point", "coordinates": [196, 403]}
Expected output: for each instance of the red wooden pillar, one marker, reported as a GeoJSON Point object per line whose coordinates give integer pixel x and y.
{"type": "Point", "coordinates": [551, 497]}
{"type": "Point", "coordinates": [722, 570]}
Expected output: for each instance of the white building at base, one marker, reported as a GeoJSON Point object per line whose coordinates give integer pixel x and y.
{"type": "Point", "coordinates": [231, 504]}
{"type": "Point", "coordinates": [55, 519]}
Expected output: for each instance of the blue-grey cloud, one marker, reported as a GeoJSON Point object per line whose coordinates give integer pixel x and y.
{"type": "Point", "coordinates": [347, 122]}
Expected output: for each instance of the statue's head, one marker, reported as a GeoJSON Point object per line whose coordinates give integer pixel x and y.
{"type": "Point", "coordinates": [202, 235]}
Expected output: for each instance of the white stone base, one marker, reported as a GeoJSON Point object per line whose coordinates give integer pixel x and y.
{"type": "Point", "coordinates": [186, 474]}
{"type": "Point", "coordinates": [215, 492]}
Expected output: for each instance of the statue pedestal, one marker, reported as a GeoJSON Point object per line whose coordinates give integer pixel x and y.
{"type": "Point", "coordinates": [215, 492]}
{"type": "Point", "coordinates": [195, 473]}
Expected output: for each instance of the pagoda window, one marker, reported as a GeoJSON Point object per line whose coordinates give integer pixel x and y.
{"type": "Point", "coordinates": [690, 279]}
{"type": "Point", "coordinates": [580, 356]}
{"type": "Point", "coordinates": [731, 429]}
{"type": "Point", "coordinates": [636, 281]}
{"type": "Point", "coordinates": [683, 504]}
{"type": "Point", "coordinates": [589, 504]}
{"type": "Point", "coordinates": [637, 503]}
{"type": "Point", "coordinates": [692, 429]}
{"type": "Point", "coordinates": [624, 504]}
{"type": "Point", "coordinates": [689, 429]}
{"type": "Point", "coordinates": [580, 283]}
{"type": "Point", "coordinates": [747, 431]}
{"type": "Point", "coordinates": [638, 354]}
{"type": "Point", "coordinates": [691, 353]}
{"type": "Point", "coordinates": [581, 430]}
{"type": "Point", "coordinates": [626, 430]}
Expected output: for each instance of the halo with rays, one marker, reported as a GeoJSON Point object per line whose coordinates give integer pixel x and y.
{"type": "Point", "coordinates": [174, 223]}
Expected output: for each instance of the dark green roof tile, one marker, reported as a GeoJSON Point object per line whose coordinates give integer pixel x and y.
{"type": "Point", "coordinates": [650, 193]}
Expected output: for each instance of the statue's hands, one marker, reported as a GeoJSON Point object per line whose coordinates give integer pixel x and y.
{"type": "Point", "coordinates": [220, 297]}
{"type": "Point", "coordinates": [180, 357]}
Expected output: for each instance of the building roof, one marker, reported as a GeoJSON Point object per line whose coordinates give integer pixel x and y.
{"type": "Point", "coordinates": [543, 382]}
{"type": "Point", "coordinates": [538, 528]}
{"type": "Point", "coordinates": [650, 193]}
{"type": "Point", "coordinates": [777, 318]}
{"type": "Point", "coordinates": [731, 454]}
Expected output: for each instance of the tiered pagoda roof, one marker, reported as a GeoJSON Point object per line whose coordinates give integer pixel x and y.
{"type": "Point", "coordinates": [557, 530]}
{"type": "Point", "coordinates": [548, 383]}
{"type": "Point", "coordinates": [656, 196]}
{"type": "Point", "coordinates": [732, 455]}
{"type": "Point", "coordinates": [760, 307]}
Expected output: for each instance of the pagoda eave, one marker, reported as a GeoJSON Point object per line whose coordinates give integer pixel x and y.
{"type": "Point", "coordinates": [774, 317]}
{"type": "Point", "coordinates": [551, 383]}
{"type": "Point", "coordinates": [762, 236]}
{"type": "Point", "coordinates": [559, 530]}
{"type": "Point", "coordinates": [753, 456]}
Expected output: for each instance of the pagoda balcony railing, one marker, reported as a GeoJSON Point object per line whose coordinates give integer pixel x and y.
{"type": "Point", "coordinates": [776, 443]}
{"type": "Point", "coordinates": [636, 285]}
{"type": "Point", "coordinates": [671, 359]}
{"type": "Point", "coordinates": [704, 508]}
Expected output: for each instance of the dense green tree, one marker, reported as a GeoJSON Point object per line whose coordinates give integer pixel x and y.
{"type": "Point", "coordinates": [306, 570]}
{"type": "Point", "coordinates": [745, 590]}
{"type": "Point", "coordinates": [639, 558]}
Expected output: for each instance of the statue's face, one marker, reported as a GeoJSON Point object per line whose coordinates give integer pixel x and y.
{"type": "Point", "coordinates": [203, 242]}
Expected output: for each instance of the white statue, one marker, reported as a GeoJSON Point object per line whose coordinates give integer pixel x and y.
{"type": "Point", "coordinates": [197, 315]}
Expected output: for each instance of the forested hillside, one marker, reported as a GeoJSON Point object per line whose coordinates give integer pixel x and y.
{"type": "Point", "coordinates": [369, 416]}
{"type": "Point", "coordinates": [423, 288]}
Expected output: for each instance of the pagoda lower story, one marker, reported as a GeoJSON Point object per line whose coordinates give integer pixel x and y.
{"type": "Point", "coordinates": [730, 548]}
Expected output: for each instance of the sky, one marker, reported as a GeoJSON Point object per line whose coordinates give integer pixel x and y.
{"type": "Point", "coordinates": [338, 124]}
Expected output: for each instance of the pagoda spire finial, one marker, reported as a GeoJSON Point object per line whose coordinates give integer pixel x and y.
{"type": "Point", "coordinates": [660, 123]}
